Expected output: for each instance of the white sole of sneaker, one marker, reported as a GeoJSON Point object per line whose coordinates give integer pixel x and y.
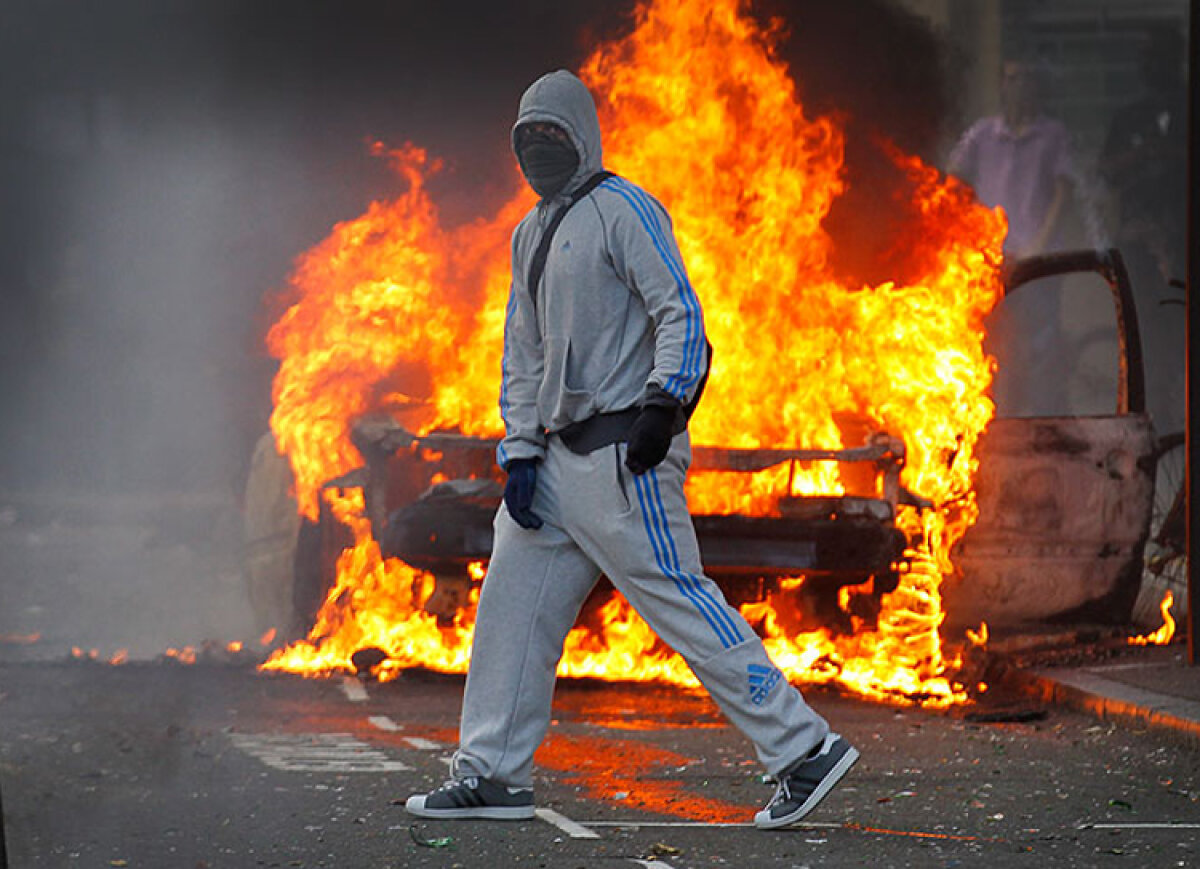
{"type": "Point", "coordinates": [835, 775]}
{"type": "Point", "coordinates": [416, 806]}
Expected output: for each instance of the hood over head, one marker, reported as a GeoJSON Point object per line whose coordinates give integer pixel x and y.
{"type": "Point", "coordinates": [560, 98]}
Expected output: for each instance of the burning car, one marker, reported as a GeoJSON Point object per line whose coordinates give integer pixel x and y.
{"type": "Point", "coordinates": [840, 466]}
{"type": "Point", "coordinates": [833, 540]}
{"type": "Point", "coordinates": [1064, 510]}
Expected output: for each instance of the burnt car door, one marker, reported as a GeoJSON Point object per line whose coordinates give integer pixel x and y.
{"type": "Point", "coordinates": [1064, 501]}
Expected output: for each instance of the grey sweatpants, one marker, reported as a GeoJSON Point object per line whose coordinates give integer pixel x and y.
{"type": "Point", "coordinates": [600, 518]}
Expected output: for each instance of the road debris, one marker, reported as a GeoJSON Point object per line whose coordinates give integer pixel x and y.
{"type": "Point", "coordinates": [439, 842]}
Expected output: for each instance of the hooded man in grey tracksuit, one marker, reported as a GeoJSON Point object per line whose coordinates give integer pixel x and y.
{"type": "Point", "coordinates": [604, 355]}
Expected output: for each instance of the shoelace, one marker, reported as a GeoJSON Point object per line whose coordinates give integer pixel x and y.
{"type": "Point", "coordinates": [782, 789]}
{"type": "Point", "coordinates": [471, 782]}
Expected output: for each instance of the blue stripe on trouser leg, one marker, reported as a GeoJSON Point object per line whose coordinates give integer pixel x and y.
{"type": "Point", "coordinates": [696, 590]}
{"type": "Point", "coordinates": [659, 534]}
{"type": "Point", "coordinates": [718, 608]}
{"type": "Point", "coordinates": [776, 719]}
{"type": "Point", "coordinates": [537, 579]}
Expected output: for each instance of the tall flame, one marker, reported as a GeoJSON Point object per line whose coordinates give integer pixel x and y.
{"type": "Point", "coordinates": [393, 311]}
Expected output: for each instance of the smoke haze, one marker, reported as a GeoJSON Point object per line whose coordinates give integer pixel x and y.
{"type": "Point", "coordinates": [163, 164]}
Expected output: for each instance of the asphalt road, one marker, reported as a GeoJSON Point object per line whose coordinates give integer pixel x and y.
{"type": "Point", "coordinates": [161, 764]}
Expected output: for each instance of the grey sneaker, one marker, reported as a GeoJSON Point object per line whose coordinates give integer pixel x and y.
{"type": "Point", "coordinates": [804, 786]}
{"type": "Point", "coordinates": [473, 797]}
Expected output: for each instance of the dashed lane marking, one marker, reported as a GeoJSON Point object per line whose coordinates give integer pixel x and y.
{"type": "Point", "coordinates": [571, 828]}
{"type": "Point", "coordinates": [354, 690]}
{"type": "Point", "coordinates": [384, 723]}
{"type": "Point", "coordinates": [316, 752]}
{"type": "Point", "coordinates": [423, 744]}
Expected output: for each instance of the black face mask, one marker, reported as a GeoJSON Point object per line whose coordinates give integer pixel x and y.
{"type": "Point", "coordinates": [548, 163]}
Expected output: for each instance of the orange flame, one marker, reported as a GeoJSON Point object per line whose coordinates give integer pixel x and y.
{"type": "Point", "coordinates": [1164, 634]}
{"type": "Point", "coordinates": [393, 312]}
{"type": "Point", "coordinates": [381, 607]}
{"type": "Point", "coordinates": [979, 637]}
{"type": "Point", "coordinates": [186, 655]}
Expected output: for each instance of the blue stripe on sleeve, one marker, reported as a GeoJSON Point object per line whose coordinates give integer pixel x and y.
{"type": "Point", "coordinates": [677, 384]}
{"type": "Point", "coordinates": [693, 347]}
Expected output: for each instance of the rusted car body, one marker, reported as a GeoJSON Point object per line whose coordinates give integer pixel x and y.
{"type": "Point", "coordinates": [1064, 502]}
{"type": "Point", "coordinates": [1064, 510]}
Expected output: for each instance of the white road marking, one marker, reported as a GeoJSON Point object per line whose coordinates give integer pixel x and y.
{"type": "Point", "coordinates": [384, 723]}
{"type": "Point", "coordinates": [651, 864]}
{"type": "Point", "coordinates": [572, 829]}
{"type": "Point", "coordinates": [423, 744]}
{"type": "Point", "coordinates": [315, 752]}
{"type": "Point", "coordinates": [1138, 827]}
{"type": "Point", "coordinates": [1113, 668]}
{"type": "Point", "coordinates": [353, 689]}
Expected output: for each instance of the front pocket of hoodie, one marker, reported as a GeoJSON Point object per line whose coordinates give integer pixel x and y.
{"type": "Point", "coordinates": [560, 399]}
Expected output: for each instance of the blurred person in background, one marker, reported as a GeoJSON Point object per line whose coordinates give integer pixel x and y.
{"type": "Point", "coordinates": [1144, 165]}
{"type": "Point", "coordinates": [1021, 160]}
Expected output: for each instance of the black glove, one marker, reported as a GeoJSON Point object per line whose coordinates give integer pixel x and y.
{"type": "Point", "coordinates": [650, 437]}
{"type": "Point", "coordinates": [518, 492]}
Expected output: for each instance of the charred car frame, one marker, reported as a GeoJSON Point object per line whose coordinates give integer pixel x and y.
{"type": "Point", "coordinates": [1065, 506]}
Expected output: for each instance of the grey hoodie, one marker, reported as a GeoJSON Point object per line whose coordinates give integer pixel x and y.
{"type": "Point", "coordinates": [617, 323]}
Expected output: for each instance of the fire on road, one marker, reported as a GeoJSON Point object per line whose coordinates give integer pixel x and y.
{"type": "Point", "coordinates": [170, 765]}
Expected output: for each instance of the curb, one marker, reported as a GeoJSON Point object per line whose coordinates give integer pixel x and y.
{"type": "Point", "coordinates": [1112, 701]}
